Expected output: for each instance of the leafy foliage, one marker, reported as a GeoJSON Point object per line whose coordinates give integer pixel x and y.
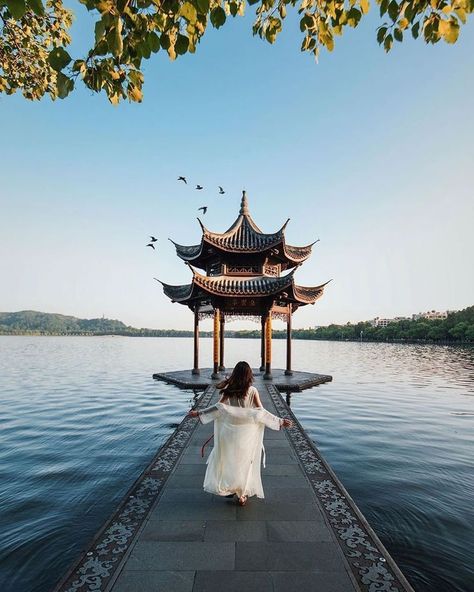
{"type": "Point", "coordinates": [34, 35]}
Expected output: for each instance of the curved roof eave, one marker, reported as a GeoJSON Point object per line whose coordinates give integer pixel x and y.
{"type": "Point", "coordinates": [179, 293]}
{"type": "Point", "coordinates": [308, 294]}
{"type": "Point", "coordinates": [298, 254]}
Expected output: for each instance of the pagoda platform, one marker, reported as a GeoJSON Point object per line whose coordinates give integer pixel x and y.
{"type": "Point", "coordinates": [296, 382]}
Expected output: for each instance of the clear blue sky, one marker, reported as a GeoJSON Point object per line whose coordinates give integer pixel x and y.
{"type": "Point", "coordinates": [371, 153]}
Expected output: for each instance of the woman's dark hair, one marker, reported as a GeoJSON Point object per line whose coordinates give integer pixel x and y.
{"type": "Point", "coordinates": [238, 383]}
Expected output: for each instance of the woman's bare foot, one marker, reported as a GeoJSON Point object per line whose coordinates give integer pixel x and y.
{"type": "Point", "coordinates": [243, 500]}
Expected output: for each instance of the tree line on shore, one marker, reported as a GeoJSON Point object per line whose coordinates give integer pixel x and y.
{"type": "Point", "coordinates": [457, 327]}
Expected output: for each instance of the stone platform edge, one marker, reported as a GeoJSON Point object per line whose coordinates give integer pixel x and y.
{"type": "Point", "coordinates": [298, 382]}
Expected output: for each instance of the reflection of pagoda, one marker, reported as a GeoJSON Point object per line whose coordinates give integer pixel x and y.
{"type": "Point", "coordinates": [243, 279]}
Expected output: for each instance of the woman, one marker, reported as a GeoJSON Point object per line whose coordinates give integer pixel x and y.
{"type": "Point", "coordinates": [233, 467]}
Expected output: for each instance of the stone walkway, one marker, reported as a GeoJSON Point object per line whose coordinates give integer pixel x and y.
{"type": "Point", "coordinates": [169, 535]}
{"type": "Point", "coordinates": [194, 541]}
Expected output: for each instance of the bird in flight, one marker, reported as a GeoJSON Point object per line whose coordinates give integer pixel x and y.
{"type": "Point", "coordinates": [182, 179]}
{"type": "Point", "coordinates": [199, 187]}
{"type": "Point", "coordinates": [204, 209]}
{"type": "Point", "coordinates": [221, 191]}
{"type": "Point", "coordinates": [153, 239]}
{"type": "Point", "coordinates": [151, 245]}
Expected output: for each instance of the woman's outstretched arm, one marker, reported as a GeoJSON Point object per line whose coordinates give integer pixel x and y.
{"type": "Point", "coordinates": [205, 415]}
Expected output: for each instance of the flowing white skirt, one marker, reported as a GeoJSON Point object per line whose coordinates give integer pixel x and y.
{"type": "Point", "coordinates": [234, 465]}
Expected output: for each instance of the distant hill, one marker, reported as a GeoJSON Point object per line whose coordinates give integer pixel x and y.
{"type": "Point", "coordinates": [32, 322]}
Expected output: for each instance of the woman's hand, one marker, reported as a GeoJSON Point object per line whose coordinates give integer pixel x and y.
{"type": "Point", "coordinates": [287, 423]}
{"type": "Point", "coordinates": [193, 413]}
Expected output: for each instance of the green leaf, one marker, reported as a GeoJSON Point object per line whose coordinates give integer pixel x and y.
{"type": "Point", "coordinates": [218, 17]}
{"type": "Point", "coordinates": [415, 30]}
{"type": "Point", "coordinates": [306, 22]}
{"type": "Point", "coordinates": [143, 48]}
{"type": "Point", "coordinates": [393, 10]}
{"type": "Point", "coordinates": [381, 34]}
{"type": "Point", "coordinates": [64, 85]}
{"type": "Point", "coordinates": [114, 38]}
{"type": "Point", "coordinates": [17, 8]}
{"type": "Point", "coordinates": [153, 42]}
{"type": "Point", "coordinates": [58, 58]}
{"type": "Point", "coordinates": [182, 44]}
{"type": "Point", "coordinates": [387, 44]}
{"type": "Point", "coordinates": [383, 7]}
{"type": "Point", "coordinates": [188, 11]}
{"type": "Point", "coordinates": [398, 34]}
{"type": "Point", "coordinates": [36, 6]}
{"type": "Point", "coordinates": [165, 41]}
{"type": "Point", "coordinates": [99, 30]}
{"type": "Point", "coordinates": [203, 6]}
{"type": "Point", "coordinates": [233, 7]}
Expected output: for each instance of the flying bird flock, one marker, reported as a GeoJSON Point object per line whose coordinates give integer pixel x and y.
{"type": "Point", "coordinates": [202, 208]}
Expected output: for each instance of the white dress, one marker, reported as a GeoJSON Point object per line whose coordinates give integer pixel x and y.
{"type": "Point", "coordinates": [234, 463]}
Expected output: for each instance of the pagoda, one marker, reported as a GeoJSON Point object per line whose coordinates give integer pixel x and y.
{"type": "Point", "coordinates": [242, 277]}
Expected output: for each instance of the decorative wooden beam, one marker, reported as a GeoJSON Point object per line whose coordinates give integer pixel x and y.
{"type": "Point", "coordinates": [268, 347]}
{"type": "Point", "coordinates": [196, 370]}
{"type": "Point", "coordinates": [215, 373]}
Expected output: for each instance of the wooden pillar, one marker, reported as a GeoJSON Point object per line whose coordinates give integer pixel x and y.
{"type": "Point", "coordinates": [268, 347]}
{"type": "Point", "coordinates": [196, 341]}
{"type": "Point", "coordinates": [288, 370]}
{"type": "Point", "coordinates": [221, 344]}
{"type": "Point", "coordinates": [215, 371]}
{"type": "Point", "coordinates": [262, 344]}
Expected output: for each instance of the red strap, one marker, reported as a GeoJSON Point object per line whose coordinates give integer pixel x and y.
{"type": "Point", "coordinates": [205, 444]}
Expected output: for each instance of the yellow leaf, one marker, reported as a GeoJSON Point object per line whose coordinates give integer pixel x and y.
{"type": "Point", "coordinates": [403, 23]}
{"type": "Point", "coordinates": [449, 30]}
{"type": "Point", "coordinates": [364, 6]}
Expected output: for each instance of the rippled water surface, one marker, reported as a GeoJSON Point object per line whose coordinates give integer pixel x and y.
{"type": "Point", "coordinates": [81, 417]}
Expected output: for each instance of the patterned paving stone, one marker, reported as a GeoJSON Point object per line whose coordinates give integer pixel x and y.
{"type": "Point", "coordinates": [233, 581]}
{"type": "Point", "coordinates": [238, 530]}
{"type": "Point", "coordinates": [155, 581]}
{"type": "Point", "coordinates": [312, 582]}
{"type": "Point", "coordinates": [298, 531]}
{"type": "Point", "coordinates": [288, 557]}
{"type": "Point", "coordinates": [177, 556]}
{"type": "Point", "coordinates": [182, 530]}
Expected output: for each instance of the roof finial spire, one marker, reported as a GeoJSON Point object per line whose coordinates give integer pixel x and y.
{"type": "Point", "coordinates": [244, 208]}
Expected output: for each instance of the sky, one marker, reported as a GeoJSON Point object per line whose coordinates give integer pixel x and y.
{"type": "Point", "coordinates": [368, 152]}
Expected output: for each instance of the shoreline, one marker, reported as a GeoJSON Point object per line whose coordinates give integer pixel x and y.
{"type": "Point", "coordinates": [243, 337]}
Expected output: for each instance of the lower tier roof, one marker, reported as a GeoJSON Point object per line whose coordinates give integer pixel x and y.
{"type": "Point", "coordinates": [256, 286]}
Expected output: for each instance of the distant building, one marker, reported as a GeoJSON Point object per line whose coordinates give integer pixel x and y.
{"type": "Point", "coordinates": [378, 322]}
{"type": "Point", "coordinates": [432, 315]}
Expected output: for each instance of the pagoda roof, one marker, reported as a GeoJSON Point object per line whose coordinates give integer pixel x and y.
{"type": "Point", "coordinates": [258, 286]}
{"type": "Point", "coordinates": [244, 236]}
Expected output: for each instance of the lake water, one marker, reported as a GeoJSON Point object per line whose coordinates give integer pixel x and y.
{"type": "Point", "coordinates": [81, 417]}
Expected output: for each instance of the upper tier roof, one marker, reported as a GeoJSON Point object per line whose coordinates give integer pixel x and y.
{"type": "Point", "coordinates": [244, 236]}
